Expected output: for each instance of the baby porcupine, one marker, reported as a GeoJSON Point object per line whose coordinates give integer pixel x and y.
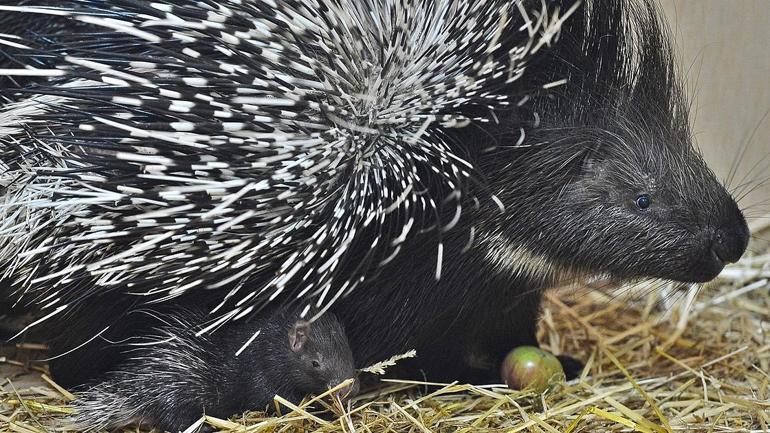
{"type": "Point", "coordinates": [172, 376]}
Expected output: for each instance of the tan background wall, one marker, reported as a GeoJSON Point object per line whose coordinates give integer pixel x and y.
{"type": "Point", "coordinates": [724, 48]}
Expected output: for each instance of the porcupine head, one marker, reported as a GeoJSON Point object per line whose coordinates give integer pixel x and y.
{"type": "Point", "coordinates": [612, 182]}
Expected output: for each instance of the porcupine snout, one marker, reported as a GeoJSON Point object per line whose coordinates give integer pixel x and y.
{"type": "Point", "coordinates": [724, 237]}
{"type": "Point", "coordinates": [731, 240]}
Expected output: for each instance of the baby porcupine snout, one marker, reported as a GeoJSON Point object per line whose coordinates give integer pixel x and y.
{"type": "Point", "coordinates": [347, 392]}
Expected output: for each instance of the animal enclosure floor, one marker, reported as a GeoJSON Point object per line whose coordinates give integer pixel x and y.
{"type": "Point", "coordinates": [659, 358]}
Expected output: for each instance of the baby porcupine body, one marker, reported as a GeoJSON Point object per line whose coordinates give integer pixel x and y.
{"type": "Point", "coordinates": [171, 376]}
{"type": "Point", "coordinates": [426, 175]}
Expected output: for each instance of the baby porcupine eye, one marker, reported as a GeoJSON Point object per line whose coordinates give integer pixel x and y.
{"type": "Point", "coordinates": [316, 364]}
{"type": "Point", "coordinates": [643, 202]}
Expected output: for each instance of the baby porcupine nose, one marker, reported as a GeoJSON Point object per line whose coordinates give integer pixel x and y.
{"type": "Point", "coordinates": [347, 392]}
{"type": "Point", "coordinates": [730, 242]}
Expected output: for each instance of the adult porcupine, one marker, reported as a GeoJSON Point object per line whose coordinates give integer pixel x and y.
{"type": "Point", "coordinates": [234, 151]}
{"type": "Point", "coordinates": [303, 151]}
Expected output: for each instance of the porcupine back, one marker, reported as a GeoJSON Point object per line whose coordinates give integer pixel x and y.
{"type": "Point", "coordinates": [240, 149]}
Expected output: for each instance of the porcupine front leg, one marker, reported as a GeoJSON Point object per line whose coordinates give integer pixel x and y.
{"type": "Point", "coordinates": [502, 329]}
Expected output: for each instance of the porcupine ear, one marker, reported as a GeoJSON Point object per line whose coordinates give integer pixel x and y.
{"type": "Point", "coordinates": [591, 157]}
{"type": "Point", "coordinates": [298, 335]}
{"type": "Point", "coordinates": [591, 161]}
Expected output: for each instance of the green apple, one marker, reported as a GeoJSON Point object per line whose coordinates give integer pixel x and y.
{"type": "Point", "coordinates": [531, 368]}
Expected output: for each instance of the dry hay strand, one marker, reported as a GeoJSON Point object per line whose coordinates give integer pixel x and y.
{"type": "Point", "coordinates": [659, 358]}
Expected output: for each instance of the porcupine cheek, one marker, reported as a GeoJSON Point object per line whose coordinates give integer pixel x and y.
{"type": "Point", "coordinates": [703, 267]}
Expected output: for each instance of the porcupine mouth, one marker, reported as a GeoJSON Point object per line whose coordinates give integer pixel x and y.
{"type": "Point", "coordinates": [700, 271]}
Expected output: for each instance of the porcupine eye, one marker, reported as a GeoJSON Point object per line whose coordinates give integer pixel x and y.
{"type": "Point", "coordinates": [643, 201]}
{"type": "Point", "coordinates": [316, 364]}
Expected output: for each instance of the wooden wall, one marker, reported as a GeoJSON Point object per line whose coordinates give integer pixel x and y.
{"type": "Point", "coordinates": [724, 48]}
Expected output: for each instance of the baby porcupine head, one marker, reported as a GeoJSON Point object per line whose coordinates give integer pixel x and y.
{"type": "Point", "coordinates": [614, 184]}
{"type": "Point", "coordinates": [320, 357]}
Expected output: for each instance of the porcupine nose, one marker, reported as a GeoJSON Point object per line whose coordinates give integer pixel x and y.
{"type": "Point", "coordinates": [730, 242]}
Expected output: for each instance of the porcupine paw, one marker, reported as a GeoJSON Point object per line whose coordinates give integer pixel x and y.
{"type": "Point", "coordinates": [572, 367]}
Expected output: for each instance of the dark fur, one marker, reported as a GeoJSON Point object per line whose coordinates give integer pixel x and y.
{"type": "Point", "coordinates": [170, 377]}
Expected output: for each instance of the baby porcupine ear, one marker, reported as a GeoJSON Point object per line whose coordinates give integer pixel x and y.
{"type": "Point", "coordinates": [298, 335]}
